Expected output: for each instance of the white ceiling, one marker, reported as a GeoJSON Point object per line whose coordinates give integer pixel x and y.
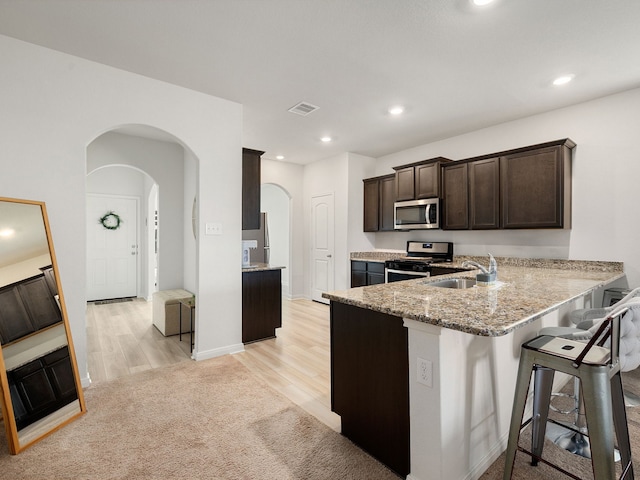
{"type": "Point", "coordinates": [29, 239]}
{"type": "Point", "coordinates": [455, 67]}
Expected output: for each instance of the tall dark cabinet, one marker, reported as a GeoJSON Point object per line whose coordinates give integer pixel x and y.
{"type": "Point", "coordinates": [251, 188]}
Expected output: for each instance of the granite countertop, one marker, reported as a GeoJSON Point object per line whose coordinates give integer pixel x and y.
{"type": "Point", "coordinates": [527, 290]}
{"type": "Point", "coordinates": [261, 267]}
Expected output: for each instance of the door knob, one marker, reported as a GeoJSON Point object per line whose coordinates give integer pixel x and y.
{"type": "Point", "coordinates": [329, 256]}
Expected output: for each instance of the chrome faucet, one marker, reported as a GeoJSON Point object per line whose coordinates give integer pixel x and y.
{"type": "Point", "coordinates": [471, 263]}
{"type": "Point", "coordinates": [492, 270]}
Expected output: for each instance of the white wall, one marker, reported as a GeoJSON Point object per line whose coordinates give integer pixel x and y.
{"type": "Point", "coordinates": [290, 177]}
{"type": "Point", "coordinates": [54, 105]}
{"type": "Point", "coordinates": [606, 169]}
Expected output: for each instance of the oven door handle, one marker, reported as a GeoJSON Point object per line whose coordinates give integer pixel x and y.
{"type": "Point", "coordinates": [387, 271]}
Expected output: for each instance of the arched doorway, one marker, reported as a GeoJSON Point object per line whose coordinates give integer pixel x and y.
{"type": "Point", "coordinates": [155, 170]}
{"type": "Point", "coordinates": [275, 201]}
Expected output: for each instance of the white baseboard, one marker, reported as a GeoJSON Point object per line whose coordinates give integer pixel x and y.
{"type": "Point", "coordinates": [218, 352]}
{"type": "Point", "coordinates": [85, 381]}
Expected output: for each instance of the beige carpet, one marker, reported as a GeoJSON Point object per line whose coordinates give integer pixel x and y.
{"type": "Point", "coordinates": [215, 420]}
{"type": "Point", "coordinates": [194, 420]}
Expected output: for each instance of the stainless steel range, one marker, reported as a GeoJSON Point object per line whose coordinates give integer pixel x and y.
{"type": "Point", "coordinates": [420, 257]}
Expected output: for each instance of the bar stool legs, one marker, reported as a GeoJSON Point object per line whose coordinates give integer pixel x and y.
{"type": "Point", "coordinates": [596, 393]}
{"type": "Point", "coordinates": [604, 407]}
{"type": "Point", "coordinates": [620, 422]}
{"type": "Point", "coordinates": [519, 403]}
{"type": "Point", "coordinates": [543, 385]}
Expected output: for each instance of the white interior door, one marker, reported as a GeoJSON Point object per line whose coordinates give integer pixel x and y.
{"type": "Point", "coordinates": [322, 264]}
{"type": "Point", "coordinates": [112, 255]}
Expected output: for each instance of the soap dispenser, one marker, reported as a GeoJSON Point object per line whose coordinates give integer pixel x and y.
{"type": "Point", "coordinates": [493, 267]}
{"type": "Point", "coordinates": [488, 277]}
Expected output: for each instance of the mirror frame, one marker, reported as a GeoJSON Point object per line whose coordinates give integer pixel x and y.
{"type": "Point", "coordinates": [13, 439]}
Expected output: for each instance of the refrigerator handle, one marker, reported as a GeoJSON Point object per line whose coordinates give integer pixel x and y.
{"type": "Point", "coordinates": [267, 250]}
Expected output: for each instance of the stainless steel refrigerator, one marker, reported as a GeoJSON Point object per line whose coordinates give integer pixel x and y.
{"type": "Point", "coordinates": [261, 253]}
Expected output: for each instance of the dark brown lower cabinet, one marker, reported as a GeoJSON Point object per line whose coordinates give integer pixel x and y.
{"type": "Point", "coordinates": [366, 273]}
{"type": "Point", "coordinates": [41, 387]}
{"type": "Point", "coordinates": [370, 382]}
{"type": "Point", "coordinates": [27, 306]}
{"type": "Point", "coordinates": [261, 304]}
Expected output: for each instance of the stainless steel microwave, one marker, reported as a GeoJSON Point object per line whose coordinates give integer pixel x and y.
{"type": "Point", "coordinates": [417, 214]}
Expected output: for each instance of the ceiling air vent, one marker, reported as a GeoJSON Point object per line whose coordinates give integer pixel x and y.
{"type": "Point", "coordinates": [303, 108]}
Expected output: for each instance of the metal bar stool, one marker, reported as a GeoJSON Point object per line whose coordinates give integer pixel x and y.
{"type": "Point", "coordinates": [598, 369]}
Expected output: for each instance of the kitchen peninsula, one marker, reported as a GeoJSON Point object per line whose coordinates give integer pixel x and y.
{"type": "Point", "coordinates": [423, 376]}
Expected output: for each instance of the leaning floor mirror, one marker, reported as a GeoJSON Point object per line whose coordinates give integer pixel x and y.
{"type": "Point", "coordinates": [39, 382]}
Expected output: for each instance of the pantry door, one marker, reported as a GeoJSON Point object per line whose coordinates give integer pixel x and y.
{"type": "Point", "coordinates": [112, 253]}
{"type": "Point", "coordinates": [322, 231]}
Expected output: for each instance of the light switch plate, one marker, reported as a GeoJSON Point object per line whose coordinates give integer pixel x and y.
{"type": "Point", "coordinates": [214, 228]}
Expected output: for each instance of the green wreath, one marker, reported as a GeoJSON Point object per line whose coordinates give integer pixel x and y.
{"type": "Point", "coordinates": [111, 221]}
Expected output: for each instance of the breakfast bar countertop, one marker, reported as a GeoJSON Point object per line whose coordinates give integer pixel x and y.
{"type": "Point", "coordinates": [526, 290]}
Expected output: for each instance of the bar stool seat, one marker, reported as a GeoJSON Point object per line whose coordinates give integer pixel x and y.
{"type": "Point", "coordinates": [598, 370]}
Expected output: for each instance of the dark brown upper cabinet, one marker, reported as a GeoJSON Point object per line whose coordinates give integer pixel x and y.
{"type": "Point", "coordinates": [251, 189]}
{"type": "Point", "coordinates": [387, 199]}
{"type": "Point", "coordinates": [535, 185]}
{"type": "Point", "coordinates": [529, 187]}
{"type": "Point", "coordinates": [405, 184]}
{"type": "Point", "coordinates": [427, 181]}
{"type": "Point", "coordinates": [419, 180]}
{"type": "Point", "coordinates": [371, 205]}
{"type": "Point", "coordinates": [379, 197]}
{"type": "Point", "coordinates": [455, 204]}
{"type": "Point", "coordinates": [484, 194]}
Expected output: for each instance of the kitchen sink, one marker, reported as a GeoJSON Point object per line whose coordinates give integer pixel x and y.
{"type": "Point", "coordinates": [453, 283]}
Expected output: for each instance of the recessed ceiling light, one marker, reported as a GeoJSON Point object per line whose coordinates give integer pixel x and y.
{"type": "Point", "coordinates": [564, 79]}
{"type": "Point", "coordinates": [279, 157]}
{"type": "Point", "coordinates": [7, 232]}
{"type": "Point", "coordinates": [325, 139]}
{"type": "Point", "coordinates": [397, 110]}
{"type": "Point", "coordinates": [481, 3]}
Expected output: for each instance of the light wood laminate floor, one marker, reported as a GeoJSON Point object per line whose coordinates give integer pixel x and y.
{"type": "Point", "coordinates": [121, 340]}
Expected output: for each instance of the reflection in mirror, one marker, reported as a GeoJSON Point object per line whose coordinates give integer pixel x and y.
{"type": "Point", "coordinates": [41, 391]}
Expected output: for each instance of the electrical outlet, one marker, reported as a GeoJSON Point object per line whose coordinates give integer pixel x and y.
{"type": "Point", "coordinates": [425, 372]}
